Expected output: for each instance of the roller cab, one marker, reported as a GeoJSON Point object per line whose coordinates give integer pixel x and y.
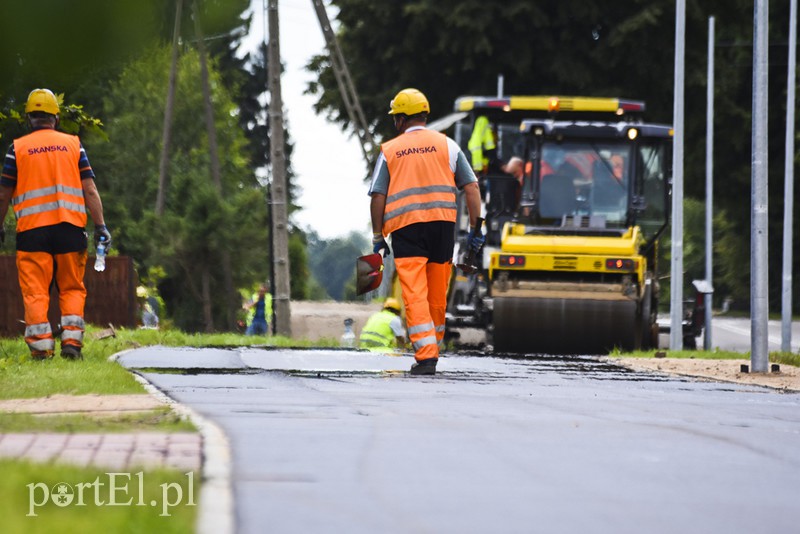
{"type": "Point", "coordinates": [570, 262]}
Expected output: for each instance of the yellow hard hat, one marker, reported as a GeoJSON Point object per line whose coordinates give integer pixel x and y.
{"type": "Point", "coordinates": [42, 100]}
{"type": "Point", "coordinates": [392, 304]}
{"type": "Point", "coordinates": [141, 291]}
{"type": "Point", "coordinates": [409, 102]}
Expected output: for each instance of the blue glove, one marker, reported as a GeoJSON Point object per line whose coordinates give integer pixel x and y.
{"type": "Point", "coordinates": [379, 244]}
{"type": "Point", "coordinates": [475, 240]}
{"type": "Point", "coordinates": [102, 235]}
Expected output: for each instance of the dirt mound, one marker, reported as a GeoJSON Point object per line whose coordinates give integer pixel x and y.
{"type": "Point", "coordinates": [317, 320]}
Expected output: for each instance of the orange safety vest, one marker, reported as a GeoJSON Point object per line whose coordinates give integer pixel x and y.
{"type": "Point", "coordinates": [422, 187]}
{"type": "Point", "coordinates": [48, 189]}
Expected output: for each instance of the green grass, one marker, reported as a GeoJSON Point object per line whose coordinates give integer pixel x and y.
{"type": "Point", "coordinates": [17, 501]}
{"type": "Point", "coordinates": [21, 377]}
{"type": "Point", "coordinates": [786, 358]}
{"type": "Point", "coordinates": [161, 420]}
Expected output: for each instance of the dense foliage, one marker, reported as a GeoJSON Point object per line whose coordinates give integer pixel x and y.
{"type": "Point", "coordinates": [333, 263]}
{"type": "Point", "coordinates": [449, 48]}
{"type": "Point", "coordinates": [110, 60]}
{"type": "Point", "coordinates": [114, 73]}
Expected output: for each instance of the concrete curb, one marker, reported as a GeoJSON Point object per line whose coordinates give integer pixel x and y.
{"type": "Point", "coordinates": [215, 515]}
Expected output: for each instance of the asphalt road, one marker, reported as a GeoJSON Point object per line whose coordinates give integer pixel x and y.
{"type": "Point", "coordinates": [732, 333]}
{"type": "Point", "coordinates": [346, 441]}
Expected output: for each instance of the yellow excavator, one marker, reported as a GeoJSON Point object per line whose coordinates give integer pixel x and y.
{"type": "Point", "coordinates": [569, 265]}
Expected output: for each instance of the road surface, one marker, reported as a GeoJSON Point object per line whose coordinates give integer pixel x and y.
{"type": "Point", "coordinates": [328, 441]}
{"type": "Point", "coordinates": [730, 333]}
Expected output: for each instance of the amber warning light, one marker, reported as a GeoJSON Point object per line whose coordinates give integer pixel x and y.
{"type": "Point", "coordinates": [512, 261]}
{"type": "Point", "coordinates": [620, 264]}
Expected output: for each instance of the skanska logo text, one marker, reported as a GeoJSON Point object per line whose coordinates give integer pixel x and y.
{"type": "Point", "coordinates": [45, 149]}
{"type": "Point", "coordinates": [415, 150]}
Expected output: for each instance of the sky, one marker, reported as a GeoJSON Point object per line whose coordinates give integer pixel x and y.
{"type": "Point", "coordinates": [327, 162]}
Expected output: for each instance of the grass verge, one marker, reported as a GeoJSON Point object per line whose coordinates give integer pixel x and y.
{"type": "Point", "coordinates": [21, 377]}
{"type": "Point", "coordinates": [141, 499]}
{"type": "Point", "coordinates": [786, 358]}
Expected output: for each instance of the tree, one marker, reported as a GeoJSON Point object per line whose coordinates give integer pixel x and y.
{"type": "Point", "coordinates": [450, 48]}
{"type": "Point", "coordinates": [199, 223]}
{"type": "Point", "coordinates": [333, 262]}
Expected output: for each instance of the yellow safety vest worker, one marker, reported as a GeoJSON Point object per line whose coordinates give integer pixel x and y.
{"type": "Point", "coordinates": [482, 138]}
{"type": "Point", "coordinates": [378, 333]}
{"type": "Point", "coordinates": [251, 312]}
{"type": "Point", "coordinates": [51, 192]}
{"type": "Point", "coordinates": [421, 187]}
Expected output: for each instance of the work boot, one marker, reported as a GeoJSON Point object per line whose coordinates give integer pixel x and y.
{"type": "Point", "coordinates": [41, 355]}
{"type": "Point", "coordinates": [424, 367]}
{"type": "Point", "coordinates": [71, 352]}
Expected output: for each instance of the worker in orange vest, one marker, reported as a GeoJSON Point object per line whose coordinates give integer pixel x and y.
{"type": "Point", "coordinates": [413, 194]}
{"type": "Point", "coordinates": [48, 180]}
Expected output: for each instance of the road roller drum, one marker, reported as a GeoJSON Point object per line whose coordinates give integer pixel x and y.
{"type": "Point", "coordinates": [563, 326]}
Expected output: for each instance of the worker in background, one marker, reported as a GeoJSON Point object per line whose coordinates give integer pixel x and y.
{"type": "Point", "coordinates": [48, 179]}
{"type": "Point", "coordinates": [413, 194]}
{"type": "Point", "coordinates": [259, 312]}
{"type": "Point", "coordinates": [483, 151]}
{"type": "Point", "coordinates": [147, 307]}
{"type": "Point", "coordinates": [384, 330]}
{"type": "Point", "coordinates": [515, 167]}
{"type": "Point", "coordinates": [617, 162]}
{"type": "Point", "coordinates": [481, 145]}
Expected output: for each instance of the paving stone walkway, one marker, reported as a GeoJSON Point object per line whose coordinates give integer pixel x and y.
{"type": "Point", "coordinates": [173, 450]}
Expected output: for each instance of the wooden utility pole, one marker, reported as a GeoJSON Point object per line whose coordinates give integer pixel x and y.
{"type": "Point", "coordinates": [168, 112]}
{"type": "Point", "coordinates": [280, 229]}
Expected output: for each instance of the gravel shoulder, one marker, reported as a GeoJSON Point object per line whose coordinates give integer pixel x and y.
{"type": "Point", "coordinates": [788, 379]}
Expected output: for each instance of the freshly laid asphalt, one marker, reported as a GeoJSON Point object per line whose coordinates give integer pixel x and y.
{"type": "Point", "coordinates": [345, 441]}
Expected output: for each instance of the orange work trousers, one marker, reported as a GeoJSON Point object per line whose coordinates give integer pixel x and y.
{"type": "Point", "coordinates": [424, 287]}
{"type": "Point", "coordinates": [36, 270]}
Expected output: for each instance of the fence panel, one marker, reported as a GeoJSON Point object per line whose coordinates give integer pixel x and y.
{"type": "Point", "coordinates": [111, 295]}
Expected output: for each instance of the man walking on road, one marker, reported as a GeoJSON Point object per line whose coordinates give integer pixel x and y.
{"type": "Point", "coordinates": [48, 179]}
{"type": "Point", "coordinates": [413, 194]}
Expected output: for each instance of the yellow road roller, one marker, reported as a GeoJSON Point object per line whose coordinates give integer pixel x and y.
{"type": "Point", "coordinates": [572, 233]}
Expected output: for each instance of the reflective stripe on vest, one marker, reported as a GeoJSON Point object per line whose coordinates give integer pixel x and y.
{"type": "Point", "coordinates": [48, 189]}
{"type": "Point", "coordinates": [422, 186]}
